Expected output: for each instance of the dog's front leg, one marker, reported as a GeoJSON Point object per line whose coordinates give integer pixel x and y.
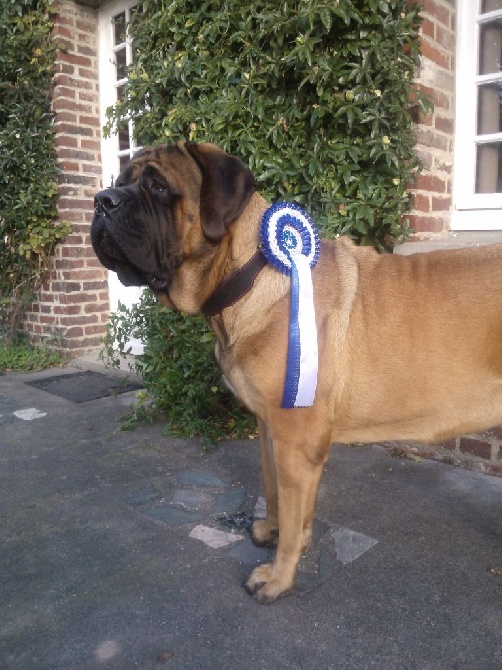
{"type": "Point", "coordinates": [265, 531]}
{"type": "Point", "coordinates": [297, 484]}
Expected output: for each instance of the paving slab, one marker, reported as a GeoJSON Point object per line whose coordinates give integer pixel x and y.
{"type": "Point", "coordinates": [99, 570]}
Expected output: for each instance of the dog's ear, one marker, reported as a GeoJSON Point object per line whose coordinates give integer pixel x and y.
{"type": "Point", "coordinates": [227, 185]}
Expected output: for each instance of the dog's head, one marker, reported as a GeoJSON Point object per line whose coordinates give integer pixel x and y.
{"type": "Point", "coordinates": [171, 203]}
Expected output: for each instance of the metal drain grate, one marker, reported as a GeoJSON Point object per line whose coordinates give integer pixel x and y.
{"type": "Point", "coordinates": [84, 386]}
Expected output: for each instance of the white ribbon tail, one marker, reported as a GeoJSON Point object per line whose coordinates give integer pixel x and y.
{"type": "Point", "coordinates": [307, 382]}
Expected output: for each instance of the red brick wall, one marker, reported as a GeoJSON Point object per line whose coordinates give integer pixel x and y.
{"type": "Point", "coordinates": [434, 131]}
{"type": "Point", "coordinates": [481, 452]}
{"type": "Point", "coordinates": [73, 303]}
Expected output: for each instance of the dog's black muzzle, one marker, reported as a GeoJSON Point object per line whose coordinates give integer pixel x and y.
{"type": "Point", "coordinates": [108, 200]}
{"type": "Point", "coordinates": [115, 249]}
{"type": "Point", "coordinates": [104, 241]}
{"type": "Point", "coordinates": [122, 243]}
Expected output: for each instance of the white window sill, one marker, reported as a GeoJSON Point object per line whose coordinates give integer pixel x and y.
{"type": "Point", "coordinates": [455, 240]}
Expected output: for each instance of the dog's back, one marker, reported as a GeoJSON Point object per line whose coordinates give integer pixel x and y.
{"type": "Point", "coordinates": [424, 346]}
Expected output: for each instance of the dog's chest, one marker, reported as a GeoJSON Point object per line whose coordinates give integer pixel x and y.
{"type": "Point", "coordinates": [229, 386]}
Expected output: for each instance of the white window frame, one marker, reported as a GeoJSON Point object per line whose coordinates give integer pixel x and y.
{"type": "Point", "coordinates": [108, 85]}
{"type": "Point", "coordinates": [110, 151]}
{"type": "Point", "coordinates": [471, 211]}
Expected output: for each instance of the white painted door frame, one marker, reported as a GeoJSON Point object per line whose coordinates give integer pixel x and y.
{"type": "Point", "coordinates": [113, 49]}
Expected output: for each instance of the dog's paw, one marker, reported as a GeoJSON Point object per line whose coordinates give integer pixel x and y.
{"type": "Point", "coordinates": [263, 535]}
{"type": "Point", "coordinates": [263, 586]}
{"type": "Point", "coordinates": [260, 576]}
{"type": "Point", "coordinates": [269, 592]}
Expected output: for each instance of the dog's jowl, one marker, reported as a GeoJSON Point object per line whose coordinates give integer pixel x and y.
{"type": "Point", "coordinates": [406, 347]}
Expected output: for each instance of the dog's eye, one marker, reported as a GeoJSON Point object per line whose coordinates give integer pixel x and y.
{"type": "Point", "coordinates": [159, 187]}
{"type": "Point", "coordinates": [153, 182]}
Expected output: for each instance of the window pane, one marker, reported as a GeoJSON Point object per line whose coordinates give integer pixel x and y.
{"type": "Point", "coordinates": [490, 5]}
{"type": "Point", "coordinates": [489, 108]}
{"type": "Point", "coordinates": [124, 141]}
{"type": "Point", "coordinates": [119, 28]}
{"type": "Point", "coordinates": [490, 47]}
{"type": "Point", "coordinates": [489, 168]}
{"type": "Point", "coordinates": [120, 63]}
{"type": "Point", "coordinates": [124, 161]}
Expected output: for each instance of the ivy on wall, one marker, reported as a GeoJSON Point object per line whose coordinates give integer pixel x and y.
{"type": "Point", "coordinates": [28, 169]}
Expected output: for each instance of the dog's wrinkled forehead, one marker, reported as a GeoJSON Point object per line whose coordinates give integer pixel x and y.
{"type": "Point", "coordinates": [169, 160]}
{"type": "Point", "coordinates": [128, 175]}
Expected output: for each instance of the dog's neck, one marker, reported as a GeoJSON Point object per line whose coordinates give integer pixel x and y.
{"type": "Point", "coordinates": [208, 271]}
{"type": "Point", "coordinates": [245, 232]}
{"type": "Point", "coordinates": [239, 276]}
{"type": "Point", "coordinates": [240, 270]}
{"type": "Point", "coordinates": [234, 286]}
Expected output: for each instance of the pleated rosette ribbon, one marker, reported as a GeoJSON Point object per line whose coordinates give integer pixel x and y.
{"type": "Point", "coordinates": [290, 243]}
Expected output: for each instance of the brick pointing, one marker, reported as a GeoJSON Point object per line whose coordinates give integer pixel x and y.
{"type": "Point", "coordinates": [73, 304]}
{"type": "Point", "coordinates": [481, 452]}
{"type": "Point", "coordinates": [430, 216]}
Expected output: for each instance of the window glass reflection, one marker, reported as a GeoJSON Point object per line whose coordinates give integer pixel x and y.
{"type": "Point", "coordinates": [124, 142]}
{"type": "Point", "coordinates": [119, 28]}
{"type": "Point", "coordinates": [490, 6]}
{"type": "Point", "coordinates": [489, 108]}
{"type": "Point", "coordinates": [490, 47]}
{"type": "Point", "coordinates": [489, 168]}
{"type": "Point", "coordinates": [120, 63]}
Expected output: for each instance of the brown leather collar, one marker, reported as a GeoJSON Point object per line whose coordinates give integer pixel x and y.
{"type": "Point", "coordinates": [235, 286]}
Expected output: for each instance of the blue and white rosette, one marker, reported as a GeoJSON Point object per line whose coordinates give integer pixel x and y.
{"type": "Point", "coordinates": [290, 243]}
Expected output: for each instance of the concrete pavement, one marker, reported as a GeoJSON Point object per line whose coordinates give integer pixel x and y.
{"type": "Point", "coordinates": [122, 550]}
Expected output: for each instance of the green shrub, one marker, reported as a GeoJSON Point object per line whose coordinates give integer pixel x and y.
{"type": "Point", "coordinates": [178, 371]}
{"type": "Point", "coordinates": [28, 170]}
{"type": "Point", "coordinates": [314, 96]}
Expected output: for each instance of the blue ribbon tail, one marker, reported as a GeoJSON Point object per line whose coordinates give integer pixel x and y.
{"type": "Point", "coordinates": [294, 348]}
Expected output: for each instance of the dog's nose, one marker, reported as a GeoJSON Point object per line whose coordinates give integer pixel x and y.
{"type": "Point", "coordinates": [107, 199]}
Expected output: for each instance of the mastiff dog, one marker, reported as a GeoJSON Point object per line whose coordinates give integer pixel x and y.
{"type": "Point", "coordinates": [407, 347]}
